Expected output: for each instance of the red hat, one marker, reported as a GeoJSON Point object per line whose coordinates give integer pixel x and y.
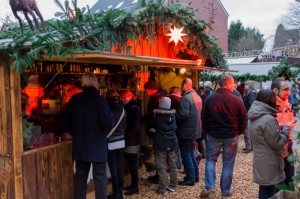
{"type": "Point", "coordinates": [150, 85]}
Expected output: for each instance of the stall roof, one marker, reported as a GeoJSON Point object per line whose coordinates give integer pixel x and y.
{"type": "Point", "coordinates": [258, 68]}
{"type": "Point", "coordinates": [126, 59]}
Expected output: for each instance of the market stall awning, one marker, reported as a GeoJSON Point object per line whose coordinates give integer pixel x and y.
{"type": "Point", "coordinates": [97, 57]}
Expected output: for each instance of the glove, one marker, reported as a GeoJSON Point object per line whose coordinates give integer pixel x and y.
{"type": "Point", "coordinates": [290, 147]}
{"type": "Point", "coordinates": [286, 130]}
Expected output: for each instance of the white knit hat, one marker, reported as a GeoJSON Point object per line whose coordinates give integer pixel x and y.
{"type": "Point", "coordinates": [165, 102]}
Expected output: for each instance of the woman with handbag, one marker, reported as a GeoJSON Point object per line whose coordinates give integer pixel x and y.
{"type": "Point", "coordinates": [116, 144]}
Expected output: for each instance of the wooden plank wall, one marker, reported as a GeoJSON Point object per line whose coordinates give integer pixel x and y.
{"type": "Point", "coordinates": [48, 172]}
{"type": "Point", "coordinates": [6, 160]}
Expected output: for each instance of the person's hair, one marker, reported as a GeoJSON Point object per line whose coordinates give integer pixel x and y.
{"type": "Point", "coordinates": [202, 88]}
{"type": "Point", "coordinates": [267, 96]}
{"type": "Point", "coordinates": [175, 90]}
{"type": "Point", "coordinates": [276, 83]}
{"type": "Point", "coordinates": [111, 93]}
{"type": "Point", "coordinates": [224, 79]}
{"type": "Point", "coordinates": [127, 93]}
{"type": "Point", "coordinates": [89, 79]}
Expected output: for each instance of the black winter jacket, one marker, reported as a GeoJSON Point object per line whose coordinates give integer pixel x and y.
{"type": "Point", "coordinates": [133, 128]}
{"type": "Point", "coordinates": [163, 121]}
{"type": "Point", "coordinates": [116, 105]}
{"type": "Point", "coordinates": [88, 119]}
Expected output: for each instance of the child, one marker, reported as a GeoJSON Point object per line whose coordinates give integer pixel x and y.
{"type": "Point", "coordinates": [163, 126]}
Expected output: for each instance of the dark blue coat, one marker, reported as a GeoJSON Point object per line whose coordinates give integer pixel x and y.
{"type": "Point", "coordinates": [88, 119]}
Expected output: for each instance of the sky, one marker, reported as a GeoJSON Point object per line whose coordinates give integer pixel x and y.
{"type": "Point", "coordinates": [263, 15]}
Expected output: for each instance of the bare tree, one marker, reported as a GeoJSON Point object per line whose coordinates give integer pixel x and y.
{"type": "Point", "coordinates": [292, 18]}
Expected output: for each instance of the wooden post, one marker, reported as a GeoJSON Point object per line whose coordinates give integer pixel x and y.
{"type": "Point", "coordinates": [11, 144]}
{"type": "Point", "coordinates": [17, 136]}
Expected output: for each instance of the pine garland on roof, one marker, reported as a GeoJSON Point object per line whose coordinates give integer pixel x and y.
{"type": "Point", "coordinates": [82, 30]}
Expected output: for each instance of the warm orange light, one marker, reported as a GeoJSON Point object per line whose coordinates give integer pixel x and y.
{"type": "Point", "coordinates": [182, 71]}
{"type": "Point", "coordinates": [176, 35]}
{"type": "Point", "coordinates": [199, 62]}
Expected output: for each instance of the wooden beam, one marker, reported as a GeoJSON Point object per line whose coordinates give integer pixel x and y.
{"type": "Point", "coordinates": [17, 137]}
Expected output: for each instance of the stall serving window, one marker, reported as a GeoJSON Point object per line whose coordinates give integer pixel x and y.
{"type": "Point", "coordinates": [48, 86]}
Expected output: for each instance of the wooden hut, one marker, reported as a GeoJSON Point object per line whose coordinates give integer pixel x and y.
{"type": "Point", "coordinates": [46, 171]}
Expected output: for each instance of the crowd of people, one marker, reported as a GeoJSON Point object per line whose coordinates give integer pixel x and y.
{"type": "Point", "coordinates": [180, 124]}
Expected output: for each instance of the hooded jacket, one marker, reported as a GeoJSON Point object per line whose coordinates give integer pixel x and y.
{"type": "Point", "coordinates": [163, 121]}
{"type": "Point", "coordinates": [284, 116]}
{"type": "Point", "coordinates": [268, 142]}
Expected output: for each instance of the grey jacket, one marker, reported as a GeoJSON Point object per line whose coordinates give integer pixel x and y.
{"type": "Point", "coordinates": [268, 142]}
{"type": "Point", "coordinates": [188, 116]}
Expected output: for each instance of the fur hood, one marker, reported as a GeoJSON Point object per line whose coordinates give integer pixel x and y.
{"type": "Point", "coordinates": [164, 111]}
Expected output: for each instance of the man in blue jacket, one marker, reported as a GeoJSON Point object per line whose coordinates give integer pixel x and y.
{"type": "Point", "coordinates": [88, 119]}
{"type": "Point", "coordinates": [224, 117]}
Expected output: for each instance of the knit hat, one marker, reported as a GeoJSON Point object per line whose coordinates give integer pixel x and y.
{"type": "Point", "coordinates": [165, 102]}
{"type": "Point", "coordinates": [150, 85]}
{"type": "Point", "coordinates": [207, 83]}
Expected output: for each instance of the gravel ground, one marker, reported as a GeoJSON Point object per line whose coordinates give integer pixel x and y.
{"type": "Point", "coordinates": [242, 186]}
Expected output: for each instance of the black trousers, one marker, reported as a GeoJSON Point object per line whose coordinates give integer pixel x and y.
{"type": "Point", "coordinates": [132, 161]}
{"type": "Point", "coordinates": [99, 177]}
{"type": "Point", "coordinates": [289, 171]}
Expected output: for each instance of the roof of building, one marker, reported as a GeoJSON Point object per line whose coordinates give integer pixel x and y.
{"type": "Point", "coordinates": [259, 68]}
{"type": "Point", "coordinates": [223, 8]}
{"type": "Point", "coordinates": [102, 5]}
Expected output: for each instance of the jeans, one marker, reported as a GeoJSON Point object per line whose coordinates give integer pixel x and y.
{"type": "Point", "coordinates": [115, 162]}
{"type": "Point", "coordinates": [166, 160]}
{"type": "Point", "coordinates": [266, 192]}
{"type": "Point", "coordinates": [99, 176]}
{"type": "Point", "coordinates": [189, 160]}
{"type": "Point", "coordinates": [132, 161]}
{"type": "Point", "coordinates": [213, 147]}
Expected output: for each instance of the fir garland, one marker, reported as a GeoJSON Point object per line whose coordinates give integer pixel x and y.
{"type": "Point", "coordinates": [113, 28]}
{"type": "Point", "coordinates": [283, 69]}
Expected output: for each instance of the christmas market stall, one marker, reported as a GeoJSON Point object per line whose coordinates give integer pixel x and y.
{"type": "Point", "coordinates": [40, 71]}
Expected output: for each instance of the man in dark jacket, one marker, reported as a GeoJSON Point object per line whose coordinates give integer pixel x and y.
{"type": "Point", "coordinates": [249, 97]}
{"type": "Point", "coordinates": [224, 117]}
{"type": "Point", "coordinates": [88, 119]}
{"type": "Point", "coordinates": [189, 129]}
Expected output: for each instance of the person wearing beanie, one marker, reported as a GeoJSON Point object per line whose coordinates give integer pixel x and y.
{"type": "Point", "coordinates": [163, 127]}
{"type": "Point", "coordinates": [208, 88]}
{"type": "Point", "coordinates": [154, 95]}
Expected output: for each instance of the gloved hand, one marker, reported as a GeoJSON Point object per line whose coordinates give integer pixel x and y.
{"type": "Point", "coordinates": [286, 130]}
{"type": "Point", "coordinates": [290, 147]}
